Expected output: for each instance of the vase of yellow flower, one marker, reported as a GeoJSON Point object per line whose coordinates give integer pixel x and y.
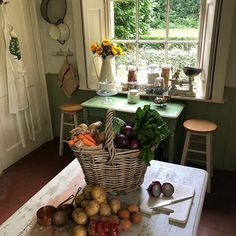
{"type": "Point", "coordinates": [107, 51]}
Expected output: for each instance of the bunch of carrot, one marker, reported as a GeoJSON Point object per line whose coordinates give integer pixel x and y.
{"type": "Point", "coordinates": [85, 139]}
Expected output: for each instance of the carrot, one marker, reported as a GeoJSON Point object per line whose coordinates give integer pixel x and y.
{"type": "Point", "coordinates": [87, 142]}
{"type": "Point", "coordinates": [75, 139]}
{"type": "Point", "coordinates": [71, 142]}
{"type": "Point", "coordinates": [87, 137]}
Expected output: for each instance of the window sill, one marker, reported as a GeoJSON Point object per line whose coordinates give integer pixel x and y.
{"type": "Point", "coordinates": [180, 98]}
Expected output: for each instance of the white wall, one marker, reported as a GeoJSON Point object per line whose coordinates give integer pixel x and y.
{"type": "Point", "coordinates": [50, 46]}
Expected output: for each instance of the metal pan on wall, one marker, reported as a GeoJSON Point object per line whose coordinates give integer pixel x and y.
{"type": "Point", "coordinates": [53, 11]}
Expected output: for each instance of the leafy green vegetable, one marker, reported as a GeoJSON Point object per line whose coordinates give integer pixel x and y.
{"type": "Point", "coordinates": [150, 129]}
{"type": "Point", "coordinates": [117, 124]}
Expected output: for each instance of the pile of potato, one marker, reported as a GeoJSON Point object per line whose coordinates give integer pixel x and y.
{"type": "Point", "coordinates": [94, 205]}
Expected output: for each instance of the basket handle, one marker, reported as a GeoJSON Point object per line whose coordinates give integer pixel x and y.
{"type": "Point", "coordinates": [109, 143]}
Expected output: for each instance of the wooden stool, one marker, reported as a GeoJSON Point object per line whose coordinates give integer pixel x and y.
{"type": "Point", "coordinates": [203, 128]}
{"type": "Point", "coordinates": [72, 110]}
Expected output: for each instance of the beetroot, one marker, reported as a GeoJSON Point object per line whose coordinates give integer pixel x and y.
{"type": "Point", "coordinates": [134, 143]}
{"type": "Point", "coordinates": [154, 189]}
{"type": "Point", "coordinates": [127, 131]}
{"type": "Point", "coordinates": [167, 189]}
{"type": "Point", "coordinates": [121, 141]}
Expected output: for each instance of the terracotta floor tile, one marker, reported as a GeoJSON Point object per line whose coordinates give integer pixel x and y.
{"type": "Point", "coordinates": [207, 231]}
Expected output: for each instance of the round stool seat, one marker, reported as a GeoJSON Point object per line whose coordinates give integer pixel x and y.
{"type": "Point", "coordinates": [70, 107]}
{"type": "Point", "coordinates": [200, 126]}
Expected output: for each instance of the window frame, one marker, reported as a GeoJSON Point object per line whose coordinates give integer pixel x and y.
{"type": "Point", "coordinates": [137, 42]}
{"type": "Point", "coordinates": [219, 66]}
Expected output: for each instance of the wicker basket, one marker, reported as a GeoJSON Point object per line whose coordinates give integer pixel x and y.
{"type": "Point", "coordinates": [117, 170]}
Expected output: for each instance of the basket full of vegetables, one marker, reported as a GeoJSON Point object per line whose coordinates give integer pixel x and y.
{"type": "Point", "coordinates": [119, 158]}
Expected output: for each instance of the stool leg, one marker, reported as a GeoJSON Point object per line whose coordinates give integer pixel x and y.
{"type": "Point", "coordinates": [186, 146]}
{"type": "Point", "coordinates": [61, 144]}
{"type": "Point", "coordinates": [209, 163]}
{"type": "Point", "coordinates": [75, 119]}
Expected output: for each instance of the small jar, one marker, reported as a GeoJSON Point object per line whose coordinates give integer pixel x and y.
{"type": "Point", "coordinates": [132, 74]}
{"type": "Point", "coordinates": [166, 74]}
{"type": "Point", "coordinates": [133, 96]}
{"type": "Point", "coordinates": [121, 73]}
{"type": "Point", "coordinates": [159, 81]}
{"type": "Point", "coordinates": [153, 73]}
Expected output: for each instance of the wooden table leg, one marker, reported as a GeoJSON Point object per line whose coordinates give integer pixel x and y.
{"type": "Point", "coordinates": [85, 115]}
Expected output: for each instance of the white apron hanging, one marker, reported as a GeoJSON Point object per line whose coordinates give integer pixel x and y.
{"type": "Point", "coordinates": [18, 94]}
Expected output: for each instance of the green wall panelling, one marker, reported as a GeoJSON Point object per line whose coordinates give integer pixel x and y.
{"type": "Point", "coordinates": [223, 115]}
{"type": "Point", "coordinates": [57, 98]}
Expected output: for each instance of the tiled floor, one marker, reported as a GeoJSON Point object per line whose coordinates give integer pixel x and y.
{"type": "Point", "coordinates": [20, 181]}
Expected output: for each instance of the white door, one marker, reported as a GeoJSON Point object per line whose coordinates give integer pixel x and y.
{"type": "Point", "coordinates": [11, 149]}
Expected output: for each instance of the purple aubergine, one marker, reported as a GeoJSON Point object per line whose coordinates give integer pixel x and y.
{"type": "Point", "coordinates": [167, 189]}
{"type": "Point", "coordinates": [154, 189]}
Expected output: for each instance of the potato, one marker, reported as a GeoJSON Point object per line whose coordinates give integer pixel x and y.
{"type": "Point", "coordinates": [79, 216]}
{"type": "Point", "coordinates": [101, 137]}
{"type": "Point", "coordinates": [92, 208]}
{"type": "Point", "coordinates": [105, 210]}
{"type": "Point", "coordinates": [79, 230]}
{"type": "Point", "coordinates": [87, 191]}
{"type": "Point", "coordinates": [115, 205]}
{"type": "Point", "coordinates": [84, 203]}
{"type": "Point", "coordinates": [79, 199]}
{"type": "Point", "coordinates": [99, 194]}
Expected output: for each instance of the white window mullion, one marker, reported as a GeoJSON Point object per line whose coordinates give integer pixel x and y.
{"type": "Point", "coordinates": [167, 30]}
{"type": "Point", "coordinates": [137, 33]}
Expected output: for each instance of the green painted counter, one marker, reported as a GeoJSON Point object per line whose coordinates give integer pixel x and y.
{"type": "Point", "coordinates": [170, 113]}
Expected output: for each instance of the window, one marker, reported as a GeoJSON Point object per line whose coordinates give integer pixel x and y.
{"type": "Point", "coordinates": [159, 32]}
{"type": "Point", "coordinates": [167, 40]}
{"type": "Point", "coordinates": [156, 32]}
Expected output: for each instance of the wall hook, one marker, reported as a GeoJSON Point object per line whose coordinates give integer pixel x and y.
{"type": "Point", "coordinates": [63, 53]}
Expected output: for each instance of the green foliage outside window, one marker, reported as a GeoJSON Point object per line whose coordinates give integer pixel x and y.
{"type": "Point", "coordinates": [184, 14]}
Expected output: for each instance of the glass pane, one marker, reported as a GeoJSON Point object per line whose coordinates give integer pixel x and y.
{"type": "Point", "coordinates": [129, 57]}
{"type": "Point", "coordinates": [152, 19]}
{"type": "Point", "coordinates": [184, 19]}
{"type": "Point", "coordinates": [151, 54]}
{"type": "Point", "coordinates": [124, 19]}
{"type": "Point", "coordinates": [123, 61]}
{"type": "Point", "coordinates": [182, 54]}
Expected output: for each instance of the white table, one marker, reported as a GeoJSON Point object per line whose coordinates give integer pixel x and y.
{"type": "Point", "coordinates": [23, 221]}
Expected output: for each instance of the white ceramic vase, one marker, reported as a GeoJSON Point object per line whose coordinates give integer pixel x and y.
{"type": "Point", "coordinates": [107, 73]}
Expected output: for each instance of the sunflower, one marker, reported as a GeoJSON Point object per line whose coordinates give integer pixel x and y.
{"type": "Point", "coordinates": [99, 50]}
{"type": "Point", "coordinates": [121, 52]}
{"type": "Point", "coordinates": [106, 48]}
{"type": "Point", "coordinates": [114, 50]}
{"type": "Point", "coordinates": [94, 47]}
{"type": "Point", "coordinates": [106, 42]}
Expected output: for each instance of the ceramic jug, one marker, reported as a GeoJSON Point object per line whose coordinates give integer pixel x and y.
{"type": "Point", "coordinates": [107, 72]}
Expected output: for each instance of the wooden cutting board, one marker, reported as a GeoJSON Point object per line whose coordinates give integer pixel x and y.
{"type": "Point", "coordinates": [178, 212]}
